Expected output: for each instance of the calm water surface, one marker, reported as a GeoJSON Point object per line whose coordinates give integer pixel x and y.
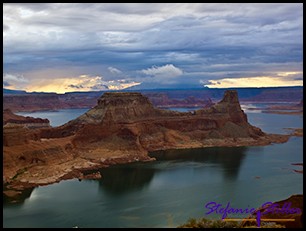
{"type": "Point", "coordinates": [56, 118]}
{"type": "Point", "coordinates": [167, 192]}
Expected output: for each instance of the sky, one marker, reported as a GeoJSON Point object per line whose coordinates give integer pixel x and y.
{"type": "Point", "coordinates": [64, 47]}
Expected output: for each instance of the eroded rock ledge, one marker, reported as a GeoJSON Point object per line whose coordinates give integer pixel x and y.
{"type": "Point", "coordinates": [122, 128]}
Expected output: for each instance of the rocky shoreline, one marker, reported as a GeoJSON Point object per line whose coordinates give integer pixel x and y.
{"type": "Point", "coordinates": [122, 128]}
{"type": "Point", "coordinates": [76, 168]}
{"type": "Point", "coordinates": [295, 131]}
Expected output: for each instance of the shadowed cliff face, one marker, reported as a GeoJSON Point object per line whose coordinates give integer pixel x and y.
{"type": "Point", "coordinates": [119, 107]}
{"type": "Point", "coordinates": [228, 106]}
{"type": "Point", "coordinates": [18, 129]}
{"type": "Point", "coordinates": [10, 117]}
{"type": "Point", "coordinates": [125, 107]}
{"type": "Point", "coordinates": [122, 128]}
{"type": "Point", "coordinates": [131, 119]}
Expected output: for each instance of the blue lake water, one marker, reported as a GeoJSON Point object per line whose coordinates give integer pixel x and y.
{"type": "Point", "coordinates": [56, 118]}
{"type": "Point", "coordinates": [167, 192]}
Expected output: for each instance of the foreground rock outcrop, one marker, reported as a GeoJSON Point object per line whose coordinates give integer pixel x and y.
{"type": "Point", "coordinates": [290, 208]}
{"type": "Point", "coordinates": [286, 213]}
{"type": "Point", "coordinates": [17, 129]}
{"type": "Point", "coordinates": [10, 117]}
{"type": "Point", "coordinates": [121, 128]}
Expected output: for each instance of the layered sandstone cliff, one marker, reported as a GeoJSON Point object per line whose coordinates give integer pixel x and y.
{"type": "Point", "coordinates": [31, 102]}
{"type": "Point", "coordinates": [10, 117]}
{"type": "Point", "coordinates": [162, 100]}
{"type": "Point", "coordinates": [17, 129]}
{"type": "Point", "coordinates": [124, 127]}
{"type": "Point", "coordinates": [131, 117]}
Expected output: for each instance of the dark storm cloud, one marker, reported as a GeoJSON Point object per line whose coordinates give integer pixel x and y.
{"type": "Point", "coordinates": [6, 84]}
{"type": "Point", "coordinates": [205, 41]}
{"type": "Point", "coordinates": [300, 78]}
{"type": "Point", "coordinates": [75, 86]}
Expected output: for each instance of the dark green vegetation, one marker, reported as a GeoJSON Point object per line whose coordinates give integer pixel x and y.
{"type": "Point", "coordinates": [207, 223]}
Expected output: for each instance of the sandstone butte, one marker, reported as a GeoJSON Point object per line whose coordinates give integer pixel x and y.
{"type": "Point", "coordinates": [121, 128]}
{"type": "Point", "coordinates": [10, 117]}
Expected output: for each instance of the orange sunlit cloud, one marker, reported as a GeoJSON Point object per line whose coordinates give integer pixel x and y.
{"type": "Point", "coordinates": [81, 83]}
{"type": "Point", "coordinates": [258, 81]}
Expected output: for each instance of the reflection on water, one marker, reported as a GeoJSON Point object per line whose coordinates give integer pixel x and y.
{"type": "Point", "coordinates": [19, 199]}
{"type": "Point", "coordinates": [169, 191]}
{"type": "Point", "coordinates": [120, 179]}
{"type": "Point", "coordinates": [165, 192]}
{"type": "Point", "coordinates": [56, 118]}
{"type": "Point", "coordinates": [125, 178]}
{"type": "Point", "coordinates": [229, 158]}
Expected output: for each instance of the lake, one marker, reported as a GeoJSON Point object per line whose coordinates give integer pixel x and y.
{"type": "Point", "coordinates": [56, 118]}
{"type": "Point", "coordinates": [169, 191]}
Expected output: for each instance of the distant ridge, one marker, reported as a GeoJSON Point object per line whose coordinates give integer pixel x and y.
{"type": "Point", "coordinates": [122, 127]}
{"type": "Point", "coordinates": [32, 101]}
{"type": "Point", "coordinates": [239, 89]}
{"type": "Point", "coordinates": [14, 92]}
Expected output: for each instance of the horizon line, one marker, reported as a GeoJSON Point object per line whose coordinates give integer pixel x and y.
{"type": "Point", "coordinates": [148, 89]}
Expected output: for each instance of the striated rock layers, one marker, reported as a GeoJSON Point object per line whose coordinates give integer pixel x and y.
{"type": "Point", "coordinates": [31, 102]}
{"type": "Point", "coordinates": [162, 100]}
{"type": "Point", "coordinates": [130, 117]}
{"type": "Point", "coordinates": [16, 128]}
{"type": "Point", "coordinates": [124, 127]}
{"type": "Point", "coordinates": [10, 117]}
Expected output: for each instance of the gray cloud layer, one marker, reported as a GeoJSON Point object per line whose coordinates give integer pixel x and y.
{"type": "Point", "coordinates": [203, 41]}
